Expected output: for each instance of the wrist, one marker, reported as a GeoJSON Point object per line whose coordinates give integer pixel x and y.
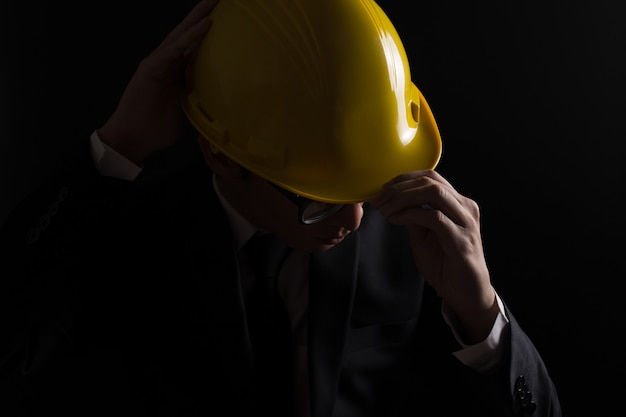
{"type": "Point", "coordinates": [476, 323]}
{"type": "Point", "coordinates": [122, 145]}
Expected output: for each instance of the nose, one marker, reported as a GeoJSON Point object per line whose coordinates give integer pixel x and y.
{"type": "Point", "coordinates": [349, 217]}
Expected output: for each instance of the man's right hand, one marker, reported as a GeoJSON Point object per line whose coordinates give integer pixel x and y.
{"type": "Point", "coordinates": [149, 116]}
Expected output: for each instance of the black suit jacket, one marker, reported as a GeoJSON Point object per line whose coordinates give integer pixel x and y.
{"type": "Point", "coordinates": [124, 299]}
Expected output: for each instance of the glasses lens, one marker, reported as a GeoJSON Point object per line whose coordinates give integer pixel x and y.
{"type": "Point", "coordinates": [316, 211]}
{"type": "Point", "coordinates": [310, 211]}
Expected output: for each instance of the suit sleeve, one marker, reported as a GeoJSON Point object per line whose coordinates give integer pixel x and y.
{"type": "Point", "coordinates": [50, 258]}
{"type": "Point", "coordinates": [530, 385]}
{"type": "Point", "coordinates": [520, 386]}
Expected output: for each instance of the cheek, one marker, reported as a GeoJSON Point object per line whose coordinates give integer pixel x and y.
{"type": "Point", "coordinates": [278, 215]}
{"type": "Point", "coordinates": [306, 240]}
{"type": "Point", "coordinates": [348, 218]}
{"type": "Point", "coordinates": [301, 237]}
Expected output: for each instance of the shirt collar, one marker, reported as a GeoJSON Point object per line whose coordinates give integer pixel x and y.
{"type": "Point", "coordinates": [242, 228]}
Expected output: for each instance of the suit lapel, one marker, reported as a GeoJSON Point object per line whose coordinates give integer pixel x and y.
{"type": "Point", "coordinates": [332, 284]}
{"type": "Point", "coordinates": [222, 314]}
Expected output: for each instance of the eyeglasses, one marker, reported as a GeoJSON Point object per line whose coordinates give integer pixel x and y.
{"type": "Point", "coordinates": [309, 211]}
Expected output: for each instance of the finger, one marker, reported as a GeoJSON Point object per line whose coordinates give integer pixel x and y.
{"type": "Point", "coordinates": [424, 190]}
{"type": "Point", "coordinates": [414, 174]}
{"type": "Point", "coordinates": [427, 181]}
{"type": "Point", "coordinates": [421, 223]}
{"type": "Point", "coordinates": [174, 51]}
{"type": "Point", "coordinates": [186, 41]}
{"type": "Point", "coordinates": [179, 42]}
{"type": "Point", "coordinates": [196, 15]}
{"type": "Point", "coordinates": [423, 179]}
{"type": "Point", "coordinates": [425, 198]}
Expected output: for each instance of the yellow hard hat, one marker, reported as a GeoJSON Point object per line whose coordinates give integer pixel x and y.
{"type": "Point", "coordinates": [315, 96]}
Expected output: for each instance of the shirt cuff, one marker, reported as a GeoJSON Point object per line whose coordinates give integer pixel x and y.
{"type": "Point", "coordinates": [486, 355]}
{"type": "Point", "coordinates": [110, 163]}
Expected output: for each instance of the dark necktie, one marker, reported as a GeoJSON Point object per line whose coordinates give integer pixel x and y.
{"type": "Point", "coordinates": [269, 327]}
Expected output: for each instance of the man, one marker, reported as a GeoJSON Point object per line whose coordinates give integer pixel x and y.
{"type": "Point", "coordinates": [132, 296]}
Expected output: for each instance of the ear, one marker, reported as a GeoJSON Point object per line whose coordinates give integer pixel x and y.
{"type": "Point", "coordinates": [219, 163]}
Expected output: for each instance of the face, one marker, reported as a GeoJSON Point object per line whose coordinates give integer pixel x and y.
{"type": "Point", "coordinates": [270, 209]}
{"type": "Point", "coordinates": [265, 206]}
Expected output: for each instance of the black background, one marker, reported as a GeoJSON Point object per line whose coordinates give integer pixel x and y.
{"type": "Point", "coordinates": [529, 98]}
